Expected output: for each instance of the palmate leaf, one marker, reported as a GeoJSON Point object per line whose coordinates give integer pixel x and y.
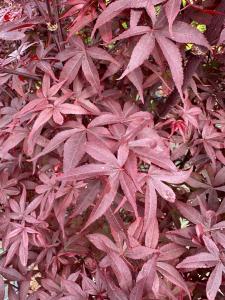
{"type": "Point", "coordinates": [118, 6]}
{"type": "Point", "coordinates": [79, 56]}
{"type": "Point", "coordinates": [205, 260]}
{"type": "Point", "coordinates": [155, 182]}
{"type": "Point", "coordinates": [111, 167]}
{"type": "Point", "coordinates": [115, 9]}
{"type": "Point", "coordinates": [182, 33]}
{"type": "Point", "coordinates": [163, 37]}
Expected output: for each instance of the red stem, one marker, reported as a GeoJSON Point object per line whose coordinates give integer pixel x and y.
{"type": "Point", "coordinates": [19, 73]}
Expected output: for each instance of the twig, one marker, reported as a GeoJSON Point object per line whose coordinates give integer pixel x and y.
{"type": "Point", "coordinates": [51, 19]}
{"type": "Point", "coordinates": [19, 73]}
{"type": "Point", "coordinates": [57, 21]}
{"type": "Point", "coordinates": [53, 24]}
{"type": "Point", "coordinates": [8, 92]}
{"type": "Point", "coordinates": [41, 9]}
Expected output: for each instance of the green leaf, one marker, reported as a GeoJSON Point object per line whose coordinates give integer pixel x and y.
{"type": "Point", "coordinates": [124, 25]}
{"type": "Point", "coordinates": [183, 223]}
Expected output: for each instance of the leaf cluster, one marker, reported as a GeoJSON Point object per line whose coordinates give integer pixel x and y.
{"type": "Point", "coordinates": [112, 153]}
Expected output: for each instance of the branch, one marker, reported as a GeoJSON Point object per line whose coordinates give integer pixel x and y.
{"type": "Point", "coordinates": [41, 9]}
{"type": "Point", "coordinates": [53, 26]}
{"type": "Point", "coordinates": [8, 92]}
{"type": "Point", "coordinates": [57, 21]}
{"type": "Point", "coordinates": [49, 11]}
{"type": "Point", "coordinates": [19, 73]}
{"type": "Point", "coordinates": [50, 21]}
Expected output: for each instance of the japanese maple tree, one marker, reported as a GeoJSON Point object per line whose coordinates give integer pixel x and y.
{"type": "Point", "coordinates": [112, 149]}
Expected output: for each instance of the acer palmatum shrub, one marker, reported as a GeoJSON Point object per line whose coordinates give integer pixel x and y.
{"type": "Point", "coordinates": [112, 171]}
